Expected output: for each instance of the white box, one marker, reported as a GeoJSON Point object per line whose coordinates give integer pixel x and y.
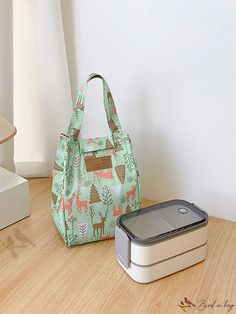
{"type": "Point", "coordinates": [160, 240]}
{"type": "Point", "coordinates": [14, 198]}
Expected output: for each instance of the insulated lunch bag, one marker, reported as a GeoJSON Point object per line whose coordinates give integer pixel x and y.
{"type": "Point", "coordinates": [95, 180]}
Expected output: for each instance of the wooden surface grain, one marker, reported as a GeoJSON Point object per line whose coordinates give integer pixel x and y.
{"type": "Point", "coordinates": [38, 274]}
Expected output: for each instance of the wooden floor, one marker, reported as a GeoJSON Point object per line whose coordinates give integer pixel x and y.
{"type": "Point", "coordinates": [43, 276]}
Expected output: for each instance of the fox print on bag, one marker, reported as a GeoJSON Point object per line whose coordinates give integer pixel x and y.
{"type": "Point", "coordinates": [95, 180]}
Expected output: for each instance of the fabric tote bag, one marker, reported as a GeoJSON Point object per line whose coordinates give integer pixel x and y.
{"type": "Point", "coordinates": [95, 180]}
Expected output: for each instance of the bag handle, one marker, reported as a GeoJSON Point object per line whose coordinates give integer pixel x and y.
{"type": "Point", "coordinates": [110, 109]}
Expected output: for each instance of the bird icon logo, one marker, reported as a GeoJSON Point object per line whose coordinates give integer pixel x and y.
{"type": "Point", "coordinates": [22, 238]}
{"type": "Point", "coordinates": [12, 245]}
{"type": "Point", "coordinates": [186, 304]}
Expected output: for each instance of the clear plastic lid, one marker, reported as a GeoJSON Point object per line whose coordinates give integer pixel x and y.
{"type": "Point", "coordinates": [162, 220]}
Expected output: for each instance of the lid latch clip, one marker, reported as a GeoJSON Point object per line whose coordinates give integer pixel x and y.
{"type": "Point", "coordinates": [122, 247]}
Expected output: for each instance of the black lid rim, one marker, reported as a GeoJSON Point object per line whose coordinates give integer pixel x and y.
{"type": "Point", "coordinates": [167, 235]}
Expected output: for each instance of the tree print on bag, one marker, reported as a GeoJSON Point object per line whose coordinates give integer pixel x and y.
{"type": "Point", "coordinates": [68, 148]}
{"type": "Point", "coordinates": [111, 102]}
{"type": "Point", "coordinates": [73, 238]}
{"type": "Point", "coordinates": [109, 98]}
{"type": "Point", "coordinates": [68, 192]}
{"type": "Point", "coordinates": [76, 134]}
{"type": "Point", "coordinates": [54, 198]}
{"type": "Point", "coordinates": [58, 188]}
{"type": "Point", "coordinates": [118, 144]}
{"type": "Point", "coordinates": [128, 209]}
{"type": "Point", "coordinates": [57, 167]}
{"type": "Point", "coordinates": [94, 195]}
{"type": "Point", "coordinates": [109, 145]}
{"type": "Point", "coordinates": [76, 161]}
{"type": "Point", "coordinates": [129, 160]}
{"type": "Point", "coordinates": [83, 227]}
{"type": "Point", "coordinates": [91, 213]}
{"type": "Point", "coordinates": [69, 174]}
{"type": "Point", "coordinates": [135, 204]}
{"type": "Point", "coordinates": [67, 228]}
{"type": "Point", "coordinates": [87, 183]}
{"type": "Point", "coordinates": [120, 171]}
{"type": "Point", "coordinates": [106, 198]}
{"type": "Point", "coordinates": [113, 126]}
{"type": "Point", "coordinates": [132, 179]}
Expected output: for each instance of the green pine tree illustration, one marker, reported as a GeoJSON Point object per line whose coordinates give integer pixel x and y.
{"type": "Point", "coordinates": [106, 198]}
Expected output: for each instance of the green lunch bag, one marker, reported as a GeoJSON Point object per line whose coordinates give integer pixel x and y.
{"type": "Point", "coordinates": [95, 180]}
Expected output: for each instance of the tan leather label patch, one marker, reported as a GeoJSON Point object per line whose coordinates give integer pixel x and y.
{"type": "Point", "coordinates": [97, 163]}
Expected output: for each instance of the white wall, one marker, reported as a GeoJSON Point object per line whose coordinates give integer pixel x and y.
{"type": "Point", "coordinates": [172, 69]}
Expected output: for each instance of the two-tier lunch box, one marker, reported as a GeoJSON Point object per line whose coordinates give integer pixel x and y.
{"type": "Point", "coordinates": [162, 239]}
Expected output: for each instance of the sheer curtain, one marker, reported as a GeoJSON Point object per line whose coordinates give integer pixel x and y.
{"type": "Point", "coordinates": [35, 60]}
{"type": "Point", "coordinates": [6, 77]}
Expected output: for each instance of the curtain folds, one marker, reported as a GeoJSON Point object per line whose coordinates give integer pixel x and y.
{"type": "Point", "coordinates": [6, 78]}
{"type": "Point", "coordinates": [33, 47]}
{"type": "Point", "coordinates": [42, 93]}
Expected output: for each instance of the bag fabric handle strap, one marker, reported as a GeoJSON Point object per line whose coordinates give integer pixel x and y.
{"type": "Point", "coordinates": [111, 113]}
